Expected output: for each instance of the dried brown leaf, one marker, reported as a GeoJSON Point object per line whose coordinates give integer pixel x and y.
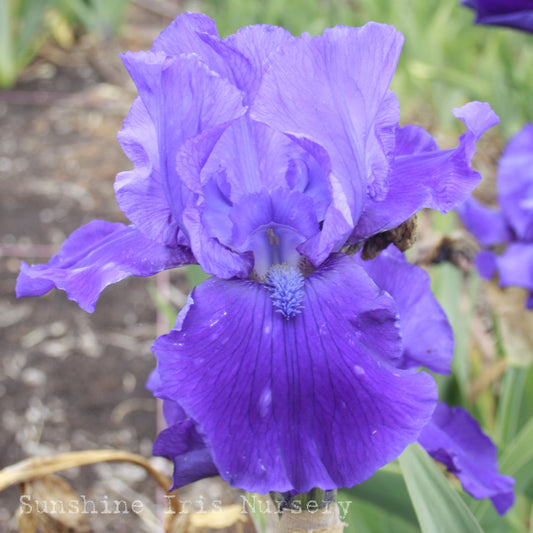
{"type": "Point", "coordinates": [26, 522]}
{"type": "Point", "coordinates": [38, 467]}
{"type": "Point", "coordinates": [50, 503]}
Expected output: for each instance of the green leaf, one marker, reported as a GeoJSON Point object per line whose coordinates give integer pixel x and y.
{"type": "Point", "coordinates": [438, 506]}
{"type": "Point", "coordinates": [508, 419]}
{"type": "Point", "coordinates": [195, 275]}
{"type": "Point", "coordinates": [517, 462]}
{"type": "Point", "coordinates": [363, 517]}
{"type": "Point", "coordinates": [387, 490]}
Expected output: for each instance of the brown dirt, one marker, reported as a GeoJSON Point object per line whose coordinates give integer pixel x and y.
{"type": "Point", "coordinates": [71, 380]}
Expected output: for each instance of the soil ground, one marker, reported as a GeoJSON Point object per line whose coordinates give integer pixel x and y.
{"type": "Point", "coordinates": [71, 380]}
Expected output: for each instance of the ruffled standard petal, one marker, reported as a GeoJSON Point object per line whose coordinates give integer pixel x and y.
{"type": "Point", "coordinates": [95, 256]}
{"type": "Point", "coordinates": [487, 224]}
{"type": "Point", "coordinates": [256, 44]}
{"type": "Point", "coordinates": [184, 36]}
{"type": "Point", "coordinates": [187, 102]}
{"type": "Point", "coordinates": [435, 179]}
{"type": "Point", "coordinates": [292, 402]}
{"type": "Point", "coordinates": [253, 156]}
{"type": "Point", "coordinates": [309, 94]}
{"type": "Point", "coordinates": [140, 192]}
{"type": "Point", "coordinates": [515, 183]}
{"type": "Point", "coordinates": [455, 439]}
{"type": "Point", "coordinates": [427, 335]}
{"type": "Point", "coordinates": [512, 13]}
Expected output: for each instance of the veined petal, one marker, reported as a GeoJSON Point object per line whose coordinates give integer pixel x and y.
{"type": "Point", "coordinates": [413, 140]}
{"type": "Point", "coordinates": [254, 158]}
{"type": "Point", "coordinates": [196, 33]}
{"type": "Point", "coordinates": [300, 402]}
{"type": "Point", "coordinates": [487, 224]}
{"type": "Point", "coordinates": [214, 258]}
{"type": "Point", "coordinates": [455, 439]}
{"type": "Point", "coordinates": [256, 43]}
{"type": "Point", "coordinates": [184, 36]}
{"type": "Point", "coordinates": [140, 192]}
{"type": "Point", "coordinates": [272, 226]}
{"type": "Point", "coordinates": [186, 102]}
{"type": "Point", "coordinates": [435, 179]}
{"type": "Point", "coordinates": [95, 256]}
{"type": "Point", "coordinates": [310, 94]}
{"type": "Point", "coordinates": [515, 183]}
{"type": "Point", "coordinates": [427, 335]}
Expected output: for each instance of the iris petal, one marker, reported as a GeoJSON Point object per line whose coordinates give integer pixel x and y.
{"type": "Point", "coordinates": [215, 258]}
{"type": "Point", "coordinates": [139, 192]}
{"type": "Point", "coordinates": [186, 101]}
{"type": "Point", "coordinates": [189, 33]}
{"type": "Point", "coordinates": [513, 13]}
{"type": "Point", "coordinates": [516, 266]}
{"type": "Point", "coordinates": [309, 94]}
{"type": "Point", "coordinates": [185, 448]}
{"type": "Point", "coordinates": [428, 177]}
{"type": "Point", "coordinates": [427, 334]}
{"type": "Point", "coordinates": [486, 263]}
{"type": "Point", "coordinates": [272, 226]}
{"type": "Point", "coordinates": [515, 183]}
{"type": "Point", "coordinates": [455, 439]}
{"type": "Point", "coordinates": [485, 223]}
{"type": "Point", "coordinates": [255, 44]}
{"type": "Point", "coordinates": [300, 402]}
{"type": "Point", "coordinates": [95, 256]}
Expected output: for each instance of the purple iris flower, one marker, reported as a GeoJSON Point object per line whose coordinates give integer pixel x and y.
{"type": "Point", "coordinates": [261, 156]}
{"type": "Point", "coordinates": [455, 439]}
{"type": "Point", "coordinates": [512, 13]}
{"type": "Point", "coordinates": [512, 223]}
{"type": "Point", "coordinates": [452, 436]}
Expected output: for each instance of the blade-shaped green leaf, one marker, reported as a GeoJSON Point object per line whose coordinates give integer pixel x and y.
{"type": "Point", "coordinates": [363, 517]}
{"type": "Point", "coordinates": [508, 419]}
{"type": "Point", "coordinates": [438, 506]}
{"type": "Point", "coordinates": [388, 491]}
{"type": "Point", "coordinates": [516, 461]}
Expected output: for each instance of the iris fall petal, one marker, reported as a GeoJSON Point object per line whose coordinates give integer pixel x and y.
{"type": "Point", "coordinates": [427, 335]}
{"type": "Point", "coordinates": [280, 399]}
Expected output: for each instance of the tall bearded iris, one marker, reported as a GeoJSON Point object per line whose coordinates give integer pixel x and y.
{"type": "Point", "coordinates": [261, 156]}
